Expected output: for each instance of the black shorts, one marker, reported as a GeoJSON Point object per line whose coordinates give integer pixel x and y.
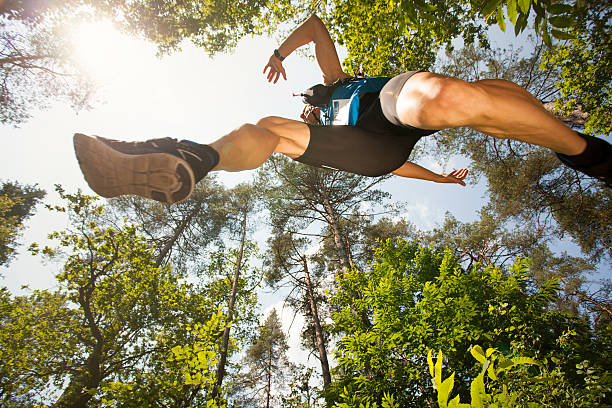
{"type": "Point", "coordinates": [378, 143]}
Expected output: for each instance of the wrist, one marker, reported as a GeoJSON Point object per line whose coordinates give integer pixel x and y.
{"type": "Point", "coordinates": [278, 55]}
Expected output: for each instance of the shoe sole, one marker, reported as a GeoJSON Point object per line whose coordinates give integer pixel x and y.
{"type": "Point", "coordinates": [110, 173]}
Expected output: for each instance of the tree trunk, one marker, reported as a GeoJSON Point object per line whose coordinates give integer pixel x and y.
{"type": "Point", "coordinates": [76, 395]}
{"type": "Point", "coordinates": [230, 311]}
{"type": "Point", "coordinates": [574, 118]}
{"type": "Point", "coordinates": [345, 263]}
{"type": "Point", "coordinates": [317, 326]}
{"type": "Point", "coordinates": [269, 369]}
{"type": "Point", "coordinates": [177, 233]}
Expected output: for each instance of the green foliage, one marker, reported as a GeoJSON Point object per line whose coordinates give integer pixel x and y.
{"type": "Point", "coordinates": [416, 297]}
{"type": "Point", "coordinates": [37, 68]}
{"type": "Point", "coordinates": [199, 360]}
{"type": "Point", "coordinates": [105, 337]}
{"type": "Point", "coordinates": [583, 64]}
{"type": "Point", "coordinates": [17, 204]}
{"type": "Point", "coordinates": [38, 337]}
{"type": "Point", "coordinates": [527, 185]}
{"type": "Point", "coordinates": [515, 385]}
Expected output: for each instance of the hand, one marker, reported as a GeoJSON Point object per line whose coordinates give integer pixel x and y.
{"type": "Point", "coordinates": [276, 69]}
{"type": "Point", "coordinates": [455, 176]}
{"type": "Point", "coordinates": [311, 114]}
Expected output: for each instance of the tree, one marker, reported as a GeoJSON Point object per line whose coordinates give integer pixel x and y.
{"type": "Point", "coordinates": [243, 203]}
{"type": "Point", "coordinates": [181, 232]}
{"type": "Point", "coordinates": [287, 263]}
{"type": "Point", "coordinates": [17, 204]}
{"type": "Point", "coordinates": [115, 318]}
{"type": "Point", "coordinates": [38, 337]}
{"type": "Point", "coordinates": [36, 68]}
{"type": "Point", "coordinates": [582, 65]}
{"type": "Point", "coordinates": [266, 360]}
{"type": "Point", "coordinates": [300, 196]}
{"type": "Point", "coordinates": [419, 298]}
{"type": "Point", "coordinates": [527, 184]}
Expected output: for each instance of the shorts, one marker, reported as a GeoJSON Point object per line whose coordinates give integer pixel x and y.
{"type": "Point", "coordinates": [378, 143]}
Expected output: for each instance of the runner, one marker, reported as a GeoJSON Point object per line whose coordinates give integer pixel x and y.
{"type": "Point", "coordinates": [385, 118]}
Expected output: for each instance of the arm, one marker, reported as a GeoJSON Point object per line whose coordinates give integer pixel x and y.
{"type": "Point", "coordinates": [412, 170]}
{"type": "Point", "coordinates": [310, 30]}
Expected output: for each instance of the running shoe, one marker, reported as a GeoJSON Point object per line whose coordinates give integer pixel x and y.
{"type": "Point", "coordinates": [164, 170]}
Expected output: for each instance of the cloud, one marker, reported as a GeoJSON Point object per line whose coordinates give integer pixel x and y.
{"type": "Point", "coordinates": [423, 215]}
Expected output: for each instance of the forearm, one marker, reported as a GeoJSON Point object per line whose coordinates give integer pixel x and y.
{"type": "Point", "coordinates": [302, 35]}
{"type": "Point", "coordinates": [313, 29]}
{"type": "Point", "coordinates": [412, 170]}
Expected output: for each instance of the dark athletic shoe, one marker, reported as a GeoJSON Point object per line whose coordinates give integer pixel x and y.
{"type": "Point", "coordinates": [601, 170]}
{"type": "Point", "coordinates": [162, 169]}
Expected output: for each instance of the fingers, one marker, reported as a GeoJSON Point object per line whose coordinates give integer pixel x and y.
{"type": "Point", "coordinates": [459, 174]}
{"type": "Point", "coordinates": [276, 70]}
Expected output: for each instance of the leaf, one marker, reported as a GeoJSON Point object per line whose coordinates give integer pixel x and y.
{"type": "Point", "coordinates": [475, 388]}
{"type": "Point", "coordinates": [521, 23]}
{"type": "Point", "coordinates": [438, 368]}
{"type": "Point", "coordinates": [478, 354]}
{"type": "Point", "coordinates": [524, 360]}
{"type": "Point", "coordinates": [524, 5]}
{"type": "Point", "coordinates": [560, 8]}
{"type": "Point", "coordinates": [490, 8]}
{"type": "Point", "coordinates": [501, 21]}
{"type": "Point", "coordinates": [561, 21]}
{"type": "Point", "coordinates": [445, 389]}
{"type": "Point", "coordinates": [562, 35]}
{"type": "Point", "coordinates": [491, 372]}
{"type": "Point", "coordinates": [512, 11]}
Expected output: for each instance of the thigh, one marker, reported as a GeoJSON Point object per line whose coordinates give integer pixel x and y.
{"type": "Point", "coordinates": [293, 135]}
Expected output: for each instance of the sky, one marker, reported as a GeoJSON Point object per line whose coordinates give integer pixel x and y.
{"type": "Point", "coordinates": [184, 95]}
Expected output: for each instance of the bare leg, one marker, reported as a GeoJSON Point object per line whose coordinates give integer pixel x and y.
{"type": "Point", "coordinates": [248, 146]}
{"type": "Point", "coordinates": [496, 107]}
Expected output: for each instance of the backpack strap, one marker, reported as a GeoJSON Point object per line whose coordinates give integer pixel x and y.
{"type": "Point", "coordinates": [319, 95]}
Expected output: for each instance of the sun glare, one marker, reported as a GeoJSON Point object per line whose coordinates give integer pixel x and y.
{"type": "Point", "coordinates": [102, 50]}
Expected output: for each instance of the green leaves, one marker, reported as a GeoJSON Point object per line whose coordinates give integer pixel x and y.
{"type": "Point", "coordinates": [524, 6]}
{"type": "Point", "coordinates": [501, 21]}
{"type": "Point", "coordinates": [490, 7]}
{"type": "Point", "coordinates": [511, 8]}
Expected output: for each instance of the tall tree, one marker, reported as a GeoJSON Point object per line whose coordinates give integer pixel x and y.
{"type": "Point", "coordinates": [17, 204]}
{"type": "Point", "coordinates": [243, 201]}
{"type": "Point", "coordinates": [302, 196]}
{"type": "Point", "coordinates": [288, 264]}
{"type": "Point", "coordinates": [116, 314]}
{"type": "Point", "coordinates": [266, 360]}
{"type": "Point", "coordinates": [528, 184]}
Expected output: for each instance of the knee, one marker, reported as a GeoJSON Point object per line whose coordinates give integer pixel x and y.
{"type": "Point", "coordinates": [268, 122]}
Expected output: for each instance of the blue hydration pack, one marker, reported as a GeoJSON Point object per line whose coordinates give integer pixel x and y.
{"type": "Point", "coordinates": [339, 102]}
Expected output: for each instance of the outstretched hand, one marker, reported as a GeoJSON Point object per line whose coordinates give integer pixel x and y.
{"type": "Point", "coordinates": [455, 176]}
{"type": "Point", "coordinates": [276, 69]}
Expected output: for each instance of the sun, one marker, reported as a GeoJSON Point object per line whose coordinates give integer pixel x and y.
{"type": "Point", "coordinates": [102, 50]}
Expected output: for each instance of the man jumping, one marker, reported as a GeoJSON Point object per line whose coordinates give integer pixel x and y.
{"type": "Point", "coordinates": [382, 120]}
